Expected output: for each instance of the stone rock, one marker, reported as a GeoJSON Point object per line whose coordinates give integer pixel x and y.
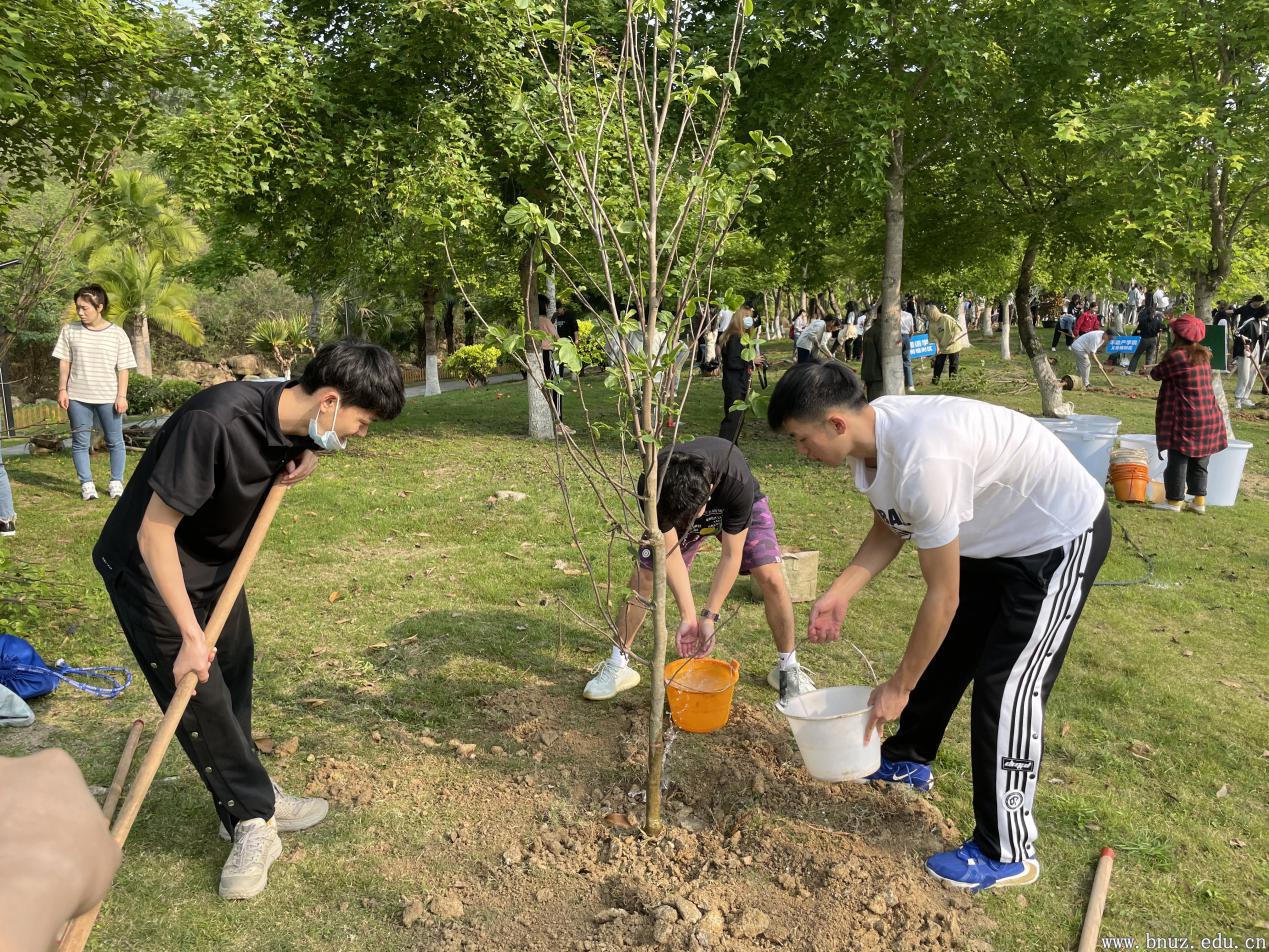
{"type": "Point", "coordinates": [508, 495]}
{"type": "Point", "coordinates": [750, 924]}
{"type": "Point", "coordinates": [712, 925]}
{"type": "Point", "coordinates": [609, 915]}
{"type": "Point", "coordinates": [244, 364]}
{"type": "Point", "coordinates": [663, 932]}
{"type": "Point", "coordinates": [447, 906]}
{"type": "Point", "coordinates": [877, 906]}
{"type": "Point", "coordinates": [512, 856]}
{"type": "Point", "coordinates": [665, 914]}
{"type": "Point", "coordinates": [193, 369]}
{"type": "Point", "coordinates": [687, 911]}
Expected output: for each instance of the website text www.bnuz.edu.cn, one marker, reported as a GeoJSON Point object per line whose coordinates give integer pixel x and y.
{"type": "Point", "coordinates": [1219, 941]}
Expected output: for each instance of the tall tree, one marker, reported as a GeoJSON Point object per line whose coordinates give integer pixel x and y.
{"type": "Point", "coordinates": [868, 93]}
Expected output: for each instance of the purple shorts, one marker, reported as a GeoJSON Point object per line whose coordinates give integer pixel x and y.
{"type": "Point", "coordinates": [761, 547]}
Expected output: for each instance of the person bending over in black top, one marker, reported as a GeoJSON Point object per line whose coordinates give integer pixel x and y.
{"type": "Point", "coordinates": [170, 544]}
{"type": "Point", "coordinates": [707, 489]}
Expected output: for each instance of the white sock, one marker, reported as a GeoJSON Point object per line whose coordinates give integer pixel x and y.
{"type": "Point", "coordinates": [788, 659]}
{"type": "Point", "coordinates": [618, 657]}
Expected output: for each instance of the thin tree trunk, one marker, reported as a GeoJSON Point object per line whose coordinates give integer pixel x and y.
{"type": "Point", "coordinates": [315, 318]}
{"type": "Point", "coordinates": [431, 368]}
{"type": "Point", "coordinates": [1006, 352]}
{"type": "Point", "coordinates": [448, 324]}
{"type": "Point", "coordinates": [986, 327]}
{"type": "Point", "coordinates": [1051, 401]}
{"type": "Point", "coordinates": [141, 344]}
{"type": "Point", "coordinates": [892, 271]}
{"type": "Point", "coordinates": [541, 426]}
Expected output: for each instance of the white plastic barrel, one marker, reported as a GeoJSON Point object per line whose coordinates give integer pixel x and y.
{"type": "Point", "coordinates": [1093, 423]}
{"type": "Point", "coordinates": [1091, 448]}
{"type": "Point", "coordinates": [829, 726]}
{"type": "Point", "coordinates": [1224, 469]}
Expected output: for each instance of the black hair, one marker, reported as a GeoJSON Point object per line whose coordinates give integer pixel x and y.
{"type": "Point", "coordinates": [810, 390]}
{"type": "Point", "coordinates": [365, 375]}
{"type": "Point", "coordinates": [95, 293]}
{"type": "Point", "coordinates": [686, 483]}
{"type": "Point", "coordinates": [1258, 297]}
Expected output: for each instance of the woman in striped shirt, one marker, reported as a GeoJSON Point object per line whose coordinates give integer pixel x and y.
{"type": "Point", "coordinates": [94, 357]}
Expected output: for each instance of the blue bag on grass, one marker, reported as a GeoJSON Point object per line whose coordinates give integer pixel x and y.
{"type": "Point", "coordinates": [24, 672]}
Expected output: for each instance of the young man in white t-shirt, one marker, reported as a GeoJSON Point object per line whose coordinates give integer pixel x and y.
{"type": "Point", "coordinates": [1011, 532]}
{"type": "Point", "coordinates": [1085, 348]}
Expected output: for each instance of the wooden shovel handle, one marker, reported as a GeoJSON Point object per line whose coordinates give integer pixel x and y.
{"type": "Point", "coordinates": [1097, 902]}
{"type": "Point", "coordinates": [76, 936]}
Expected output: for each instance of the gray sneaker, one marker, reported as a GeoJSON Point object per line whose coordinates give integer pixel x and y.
{"type": "Point", "coordinates": [246, 872]}
{"type": "Point", "coordinates": [796, 681]}
{"type": "Point", "coordinates": [292, 814]}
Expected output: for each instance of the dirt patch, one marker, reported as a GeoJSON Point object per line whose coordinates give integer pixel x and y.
{"type": "Point", "coordinates": [1255, 485]}
{"type": "Point", "coordinates": [755, 855]}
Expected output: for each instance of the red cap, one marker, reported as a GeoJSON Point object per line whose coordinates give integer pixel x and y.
{"type": "Point", "coordinates": [1188, 327]}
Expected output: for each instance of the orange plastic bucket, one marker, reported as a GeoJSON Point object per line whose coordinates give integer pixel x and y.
{"type": "Point", "coordinates": [699, 691]}
{"type": "Point", "coordinates": [1130, 481]}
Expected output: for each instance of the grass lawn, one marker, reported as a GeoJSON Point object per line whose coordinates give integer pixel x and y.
{"type": "Point", "coordinates": [392, 602]}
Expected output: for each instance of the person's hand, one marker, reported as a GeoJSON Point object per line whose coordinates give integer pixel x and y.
{"type": "Point", "coordinates": [121, 405]}
{"type": "Point", "coordinates": [63, 399]}
{"type": "Point", "coordinates": [695, 638]}
{"type": "Point", "coordinates": [888, 699]}
{"type": "Point", "coordinates": [298, 469]}
{"type": "Point", "coordinates": [194, 656]}
{"type": "Point", "coordinates": [827, 615]}
{"type": "Point", "coordinates": [53, 833]}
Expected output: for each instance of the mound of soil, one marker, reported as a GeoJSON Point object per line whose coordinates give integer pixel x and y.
{"type": "Point", "coordinates": [754, 854]}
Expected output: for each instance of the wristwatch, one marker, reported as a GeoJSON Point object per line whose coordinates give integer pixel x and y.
{"type": "Point", "coordinates": [712, 616]}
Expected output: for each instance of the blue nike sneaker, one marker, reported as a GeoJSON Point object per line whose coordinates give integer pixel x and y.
{"type": "Point", "coordinates": [919, 776]}
{"type": "Point", "coordinates": [969, 868]}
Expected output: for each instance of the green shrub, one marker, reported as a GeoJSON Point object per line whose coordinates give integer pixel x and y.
{"type": "Point", "coordinates": [149, 396]}
{"type": "Point", "coordinates": [145, 395]}
{"type": "Point", "coordinates": [176, 392]}
{"type": "Point", "coordinates": [590, 345]}
{"type": "Point", "coordinates": [474, 363]}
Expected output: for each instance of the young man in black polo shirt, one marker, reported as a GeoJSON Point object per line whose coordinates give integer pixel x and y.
{"type": "Point", "coordinates": [707, 489]}
{"type": "Point", "coordinates": [170, 544]}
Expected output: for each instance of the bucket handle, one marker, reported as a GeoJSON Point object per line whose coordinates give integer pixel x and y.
{"type": "Point", "coordinates": [734, 664]}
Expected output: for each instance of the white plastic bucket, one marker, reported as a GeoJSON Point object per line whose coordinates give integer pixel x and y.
{"type": "Point", "coordinates": [1225, 473]}
{"type": "Point", "coordinates": [1224, 470]}
{"type": "Point", "coordinates": [1091, 448]}
{"type": "Point", "coordinates": [1092, 423]}
{"type": "Point", "coordinates": [829, 726]}
{"type": "Point", "coordinates": [1055, 423]}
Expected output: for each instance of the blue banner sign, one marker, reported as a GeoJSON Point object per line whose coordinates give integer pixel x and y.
{"type": "Point", "coordinates": [921, 346]}
{"type": "Point", "coordinates": [1123, 345]}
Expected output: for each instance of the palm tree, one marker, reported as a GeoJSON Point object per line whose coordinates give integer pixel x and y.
{"type": "Point", "coordinates": [140, 292]}
{"type": "Point", "coordinates": [131, 243]}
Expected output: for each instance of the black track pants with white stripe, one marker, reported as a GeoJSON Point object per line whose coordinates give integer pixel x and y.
{"type": "Point", "coordinates": [1009, 637]}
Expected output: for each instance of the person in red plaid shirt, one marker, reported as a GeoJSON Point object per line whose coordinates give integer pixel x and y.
{"type": "Point", "coordinates": [1187, 421]}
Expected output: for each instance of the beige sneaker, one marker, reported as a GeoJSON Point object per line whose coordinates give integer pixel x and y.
{"type": "Point", "coordinates": [246, 872]}
{"type": "Point", "coordinates": [292, 814]}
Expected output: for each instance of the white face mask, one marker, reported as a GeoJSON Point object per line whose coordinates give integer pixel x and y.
{"type": "Point", "coordinates": [748, 322]}
{"type": "Point", "coordinates": [329, 440]}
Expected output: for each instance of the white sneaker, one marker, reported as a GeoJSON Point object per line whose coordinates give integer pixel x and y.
{"type": "Point", "coordinates": [114, 488]}
{"type": "Point", "coordinates": [912, 390]}
{"type": "Point", "coordinates": [1052, 350]}
{"type": "Point", "coordinates": [292, 814]}
{"type": "Point", "coordinates": [246, 872]}
{"type": "Point", "coordinates": [88, 490]}
{"type": "Point", "coordinates": [796, 681]}
{"type": "Point", "coordinates": [9, 527]}
{"type": "Point", "coordinates": [610, 680]}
